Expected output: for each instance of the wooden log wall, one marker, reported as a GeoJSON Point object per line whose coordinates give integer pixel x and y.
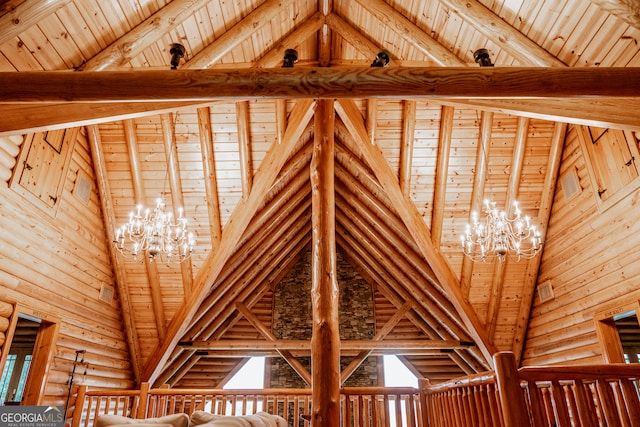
{"type": "Point", "coordinates": [591, 261]}
{"type": "Point", "coordinates": [6, 312]}
{"type": "Point", "coordinates": [9, 150]}
{"type": "Point", "coordinates": [57, 265]}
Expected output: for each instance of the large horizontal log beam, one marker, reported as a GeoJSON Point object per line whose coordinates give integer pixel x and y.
{"type": "Point", "coordinates": [347, 345]}
{"type": "Point", "coordinates": [347, 82]}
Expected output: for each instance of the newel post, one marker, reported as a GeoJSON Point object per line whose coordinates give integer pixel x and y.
{"type": "Point", "coordinates": [423, 384]}
{"type": "Point", "coordinates": [143, 400]}
{"type": "Point", "coordinates": [78, 407]}
{"type": "Point", "coordinates": [514, 409]}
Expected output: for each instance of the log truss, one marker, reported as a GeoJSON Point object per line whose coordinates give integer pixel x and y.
{"type": "Point", "coordinates": [381, 208]}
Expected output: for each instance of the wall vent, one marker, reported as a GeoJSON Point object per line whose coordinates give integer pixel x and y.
{"type": "Point", "coordinates": [83, 187]}
{"type": "Point", "coordinates": [106, 293]}
{"type": "Point", "coordinates": [545, 291]}
{"type": "Point", "coordinates": [570, 184]}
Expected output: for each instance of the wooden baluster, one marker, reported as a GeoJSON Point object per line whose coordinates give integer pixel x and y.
{"type": "Point", "coordinates": [411, 412]}
{"type": "Point", "coordinates": [494, 405]}
{"type": "Point", "coordinates": [536, 404]}
{"type": "Point", "coordinates": [608, 403]}
{"type": "Point", "coordinates": [560, 404]}
{"type": "Point", "coordinates": [585, 411]}
{"type": "Point", "coordinates": [398, 406]}
{"type": "Point", "coordinates": [374, 412]}
{"type": "Point", "coordinates": [632, 404]}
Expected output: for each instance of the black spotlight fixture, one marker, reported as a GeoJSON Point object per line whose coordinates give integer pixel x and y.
{"type": "Point", "coordinates": [481, 56]}
{"type": "Point", "coordinates": [290, 58]}
{"type": "Point", "coordinates": [177, 51]}
{"type": "Point", "coordinates": [381, 59]}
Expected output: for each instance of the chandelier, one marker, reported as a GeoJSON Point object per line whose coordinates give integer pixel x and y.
{"type": "Point", "coordinates": [498, 236]}
{"type": "Point", "coordinates": [156, 234]}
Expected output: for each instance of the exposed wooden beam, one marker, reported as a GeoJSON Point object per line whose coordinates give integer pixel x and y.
{"type": "Point", "coordinates": [267, 235]}
{"type": "Point", "coordinates": [517, 45]}
{"type": "Point", "coordinates": [28, 118]}
{"type": "Point", "coordinates": [139, 195]}
{"type": "Point", "coordinates": [235, 35]}
{"type": "Point", "coordinates": [242, 215]}
{"type": "Point", "coordinates": [209, 171]}
{"type": "Point", "coordinates": [347, 345]}
{"type": "Point", "coordinates": [442, 172]}
{"type": "Point", "coordinates": [407, 210]}
{"type": "Point", "coordinates": [371, 119]}
{"type": "Point", "coordinates": [477, 194]}
{"type": "Point", "coordinates": [334, 82]}
{"type": "Point", "coordinates": [406, 147]}
{"type": "Point", "coordinates": [410, 32]}
{"type": "Point", "coordinates": [421, 318]}
{"type": "Point", "coordinates": [149, 31]}
{"type": "Point", "coordinates": [175, 184]}
{"type": "Point", "coordinates": [621, 113]}
{"type": "Point", "coordinates": [324, 36]}
{"type": "Point", "coordinates": [544, 213]}
{"type": "Point", "coordinates": [325, 324]}
{"type": "Point", "coordinates": [353, 36]}
{"type": "Point", "coordinates": [25, 15]}
{"type": "Point", "coordinates": [499, 269]}
{"type": "Point", "coordinates": [130, 330]}
{"type": "Point", "coordinates": [627, 10]}
{"type": "Point", "coordinates": [244, 146]}
{"type": "Point", "coordinates": [286, 354]}
{"type": "Point", "coordinates": [274, 57]}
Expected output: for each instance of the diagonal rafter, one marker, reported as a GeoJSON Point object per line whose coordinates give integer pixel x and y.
{"type": "Point", "coordinates": [407, 210]}
{"type": "Point", "coordinates": [410, 32]}
{"type": "Point", "coordinates": [26, 14]}
{"type": "Point", "coordinates": [502, 34]}
{"type": "Point", "coordinates": [242, 215]}
{"type": "Point", "coordinates": [286, 354]}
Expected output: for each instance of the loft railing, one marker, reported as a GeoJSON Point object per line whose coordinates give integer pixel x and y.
{"type": "Point", "coordinates": [550, 396]}
{"type": "Point", "coordinates": [362, 406]}
{"type": "Point", "coordinates": [558, 396]}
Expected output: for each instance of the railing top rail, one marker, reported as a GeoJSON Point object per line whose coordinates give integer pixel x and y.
{"type": "Point", "coordinates": [378, 390]}
{"type": "Point", "coordinates": [252, 392]}
{"type": "Point", "coordinates": [230, 392]}
{"type": "Point", "coordinates": [468, 381]}
{"type": "Point", "coordinates": [579, 372]}
{"type": "Point", "coordinates": [112, 393]}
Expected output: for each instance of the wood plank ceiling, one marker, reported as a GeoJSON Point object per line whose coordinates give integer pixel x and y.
{"type": "Point", "coordinates": [408, 171]}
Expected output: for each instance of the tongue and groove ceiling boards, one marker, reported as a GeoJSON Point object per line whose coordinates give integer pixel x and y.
{"type": "Point", "coordinates": [408, 170]}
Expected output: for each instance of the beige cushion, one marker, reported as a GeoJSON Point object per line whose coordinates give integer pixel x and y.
{"type": "Point", "coordinates": [261, 419]}
{"type": "Point", "coordinates": [175, 420]}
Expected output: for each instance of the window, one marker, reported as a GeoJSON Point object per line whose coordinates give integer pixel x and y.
{"type": "Point", "coordinates": [396, 374]}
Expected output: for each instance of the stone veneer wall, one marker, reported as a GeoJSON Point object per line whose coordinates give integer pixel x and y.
{"type": "Point", "coordinates": [292, 315]}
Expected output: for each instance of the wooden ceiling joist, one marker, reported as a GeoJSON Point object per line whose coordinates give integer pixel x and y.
{"type": "Point", "coordinates": [334, 82]}
{"type": "Point", "coordinates": [347, 345]}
